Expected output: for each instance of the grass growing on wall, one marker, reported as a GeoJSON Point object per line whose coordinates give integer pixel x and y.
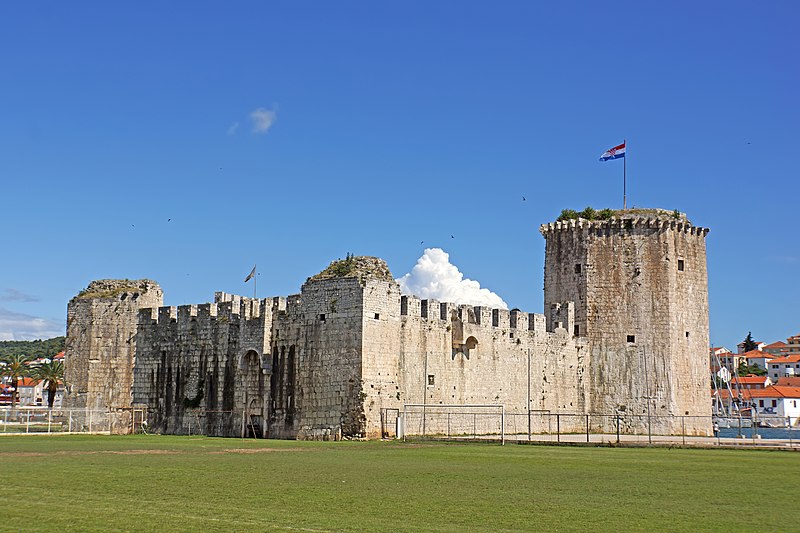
{"type": "Point", "coordinates": [160, 483]}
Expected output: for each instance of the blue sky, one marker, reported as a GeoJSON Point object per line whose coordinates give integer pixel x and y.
{"type": "Point", "coordinates": [128, 147]}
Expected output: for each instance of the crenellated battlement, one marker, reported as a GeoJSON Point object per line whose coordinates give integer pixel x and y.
{"type": "Point", "coordinates": [657, 219]}
{"type": "Point", "coordinates": [226, 307]}
{"type": "Point", "coordinates": [434, 310]}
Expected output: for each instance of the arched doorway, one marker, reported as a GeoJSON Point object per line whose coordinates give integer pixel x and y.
{"type": "Point", "coordinates": [252, 397]}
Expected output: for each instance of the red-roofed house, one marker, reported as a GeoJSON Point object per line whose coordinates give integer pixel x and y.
{"type": "Point", "coordinates": [778, 401]}
{"type": "Point", "coordinates": [757, 358]}
{"type": "Point", "coordinates": [30, 391]}
{"type": "Point", "coordinates": [777, 348]}
{"type": "Point", "coordinates": [723, 358]}
{"type": "Point", "coordinates": [788, 382]}
{"type": "Point", "coordinates": [750, 382]}
{"type": "Point", "coordinates": [785, 367]}
{"type": "Point", "coordinates": [773, 402]}
{"type": "Point", "coordinates": [5, 394]}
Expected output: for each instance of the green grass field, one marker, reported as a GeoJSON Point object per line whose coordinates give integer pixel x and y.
{"type": "Point", "coordinates": [165, 483]}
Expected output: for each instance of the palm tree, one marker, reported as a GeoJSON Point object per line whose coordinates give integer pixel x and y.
{"type": "Point", "coordinates": [53, 374]}
{"type": "Point", "coordinates": [16, 367]}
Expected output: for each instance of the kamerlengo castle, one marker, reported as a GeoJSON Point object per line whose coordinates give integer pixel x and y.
{"type": "Point", "coordinates": [624, 333]}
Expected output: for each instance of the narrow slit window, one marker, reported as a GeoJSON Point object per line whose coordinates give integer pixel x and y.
{"type": "Point", "coordinates": [577, 330]}
{"type": "Point", "coordinates": [577, 268]}
{"type": "Point", "coordinates": [431, 380]}
{"type": "Point", "coordinates": [680, 265]}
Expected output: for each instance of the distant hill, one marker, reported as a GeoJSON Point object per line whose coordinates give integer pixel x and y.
{"type": "Point", "coordinates": [37, 348]}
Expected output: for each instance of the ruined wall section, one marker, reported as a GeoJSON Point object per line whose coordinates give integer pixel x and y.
{"type": "Point", "coordinates": [645, 319]}
{"type": "Point", "coordinates": [202, 368]}
{"type": "Point", "coordinates": [321, 330]}
{"type": "Point", "coordinates": [100, 345]}
{"type": "Point", "coordinates": [459, 355]}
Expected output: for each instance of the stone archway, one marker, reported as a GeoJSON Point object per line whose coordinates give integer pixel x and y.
{"type": "Point", "coordinates": [252, 383]}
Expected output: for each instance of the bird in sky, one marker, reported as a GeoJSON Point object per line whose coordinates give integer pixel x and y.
{"type": "Point", "coordinates": [523, 198]}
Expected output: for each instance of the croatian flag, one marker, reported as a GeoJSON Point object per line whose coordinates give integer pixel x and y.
{"type": "Point", "coordinates": [613, 153]}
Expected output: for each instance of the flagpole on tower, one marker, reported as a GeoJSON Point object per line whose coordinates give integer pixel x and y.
{"type": "Point", "coordinates": [624, 177]}
{"type": "Point", "coordinates": [252, 275]}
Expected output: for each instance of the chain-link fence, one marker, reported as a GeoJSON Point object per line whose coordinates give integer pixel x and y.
{"type": "Point", "coordinates": [492, 422]}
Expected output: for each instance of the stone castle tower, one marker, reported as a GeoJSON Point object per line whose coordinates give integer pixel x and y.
{"type": "Point", "coordinates": [640, 291]}
{"type": "Point", "coordinates": [101, 329]}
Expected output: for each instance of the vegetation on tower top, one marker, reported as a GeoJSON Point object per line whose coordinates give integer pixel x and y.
{"type": "Point", "coordinates": [111, 288]}
{"type": "Point", "coordinates": [361, 267]}
{"type": "Point", "coordinates": [607, 214]}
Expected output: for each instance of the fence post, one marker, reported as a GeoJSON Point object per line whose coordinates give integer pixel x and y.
{"type": "Point", "coordinates": [49, 419]}
{"type": "Point", "coordinates": [69, 425]}
{"type": "Point", "coordinates": [28, 423]}
{"type": "Point", "coordinates": [558, 427]}
{"type": "Point", "coordinates": [587, 427]}
{"type": "Point", "coordinates": [90, 421]}
{"type": "Point", "coordinates": [789, 425]}
{"type": "Point", "coordinates": [503, 425]}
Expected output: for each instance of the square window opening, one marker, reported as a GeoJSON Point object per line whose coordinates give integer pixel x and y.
{"type": "Point", "coordinates": [322, 317]}
{"type": "Point", "coordinates": [577, 268]}
{"type": "Point", "coordinates": [631, 338]}
{"type": "Point", "coordinates": [377, 316]}
{"type": "Point", "coordinates": [431, 380]}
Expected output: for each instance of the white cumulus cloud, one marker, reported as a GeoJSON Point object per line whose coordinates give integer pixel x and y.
{"type": "Point", "coordinates": [22, 327]}
{"type": "Point", "coordinates": [434, 277]}
{"type": "Point", "coordinates": [262, 119]}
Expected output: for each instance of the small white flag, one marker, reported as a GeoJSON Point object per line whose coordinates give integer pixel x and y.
{"type": "Point", "coordinates": [250, 275]}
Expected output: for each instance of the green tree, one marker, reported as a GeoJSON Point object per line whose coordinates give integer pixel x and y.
{"type": "Point", "coordinates": [38, 348]}
{"type": "Point", "coordinates": [568, 214]}
{"type": "Point", "coordinates": [52, 373]}
{"type": "Point", "coordinates": [746, 370]}
{"type": "Point", "coordinates": [15, 367]}
{"type": "Point", "coordinates": [749, 343]}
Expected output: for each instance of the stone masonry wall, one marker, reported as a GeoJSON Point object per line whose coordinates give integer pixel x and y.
{"type": "Point", "coordinates": [645, 319]}
{"type": "Point", "coordinates": [463, 355]}
{"type": "Point", "coordinates": [199, 367]}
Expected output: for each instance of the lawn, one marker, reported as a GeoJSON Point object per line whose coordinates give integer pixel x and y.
{"type": "Point", "coordinates": [167, 483]}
